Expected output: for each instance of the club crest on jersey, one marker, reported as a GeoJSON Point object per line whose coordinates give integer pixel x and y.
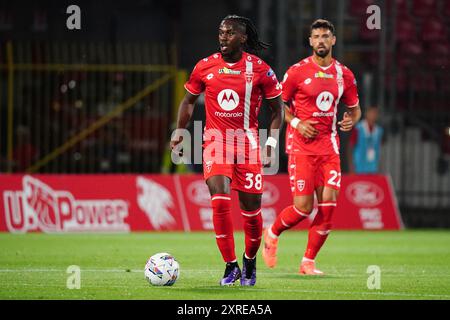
{"type": "Point", "coordinates": [324, 101]}
{"type": "Point", "coordinates": [208, 165]}
{"type": "Point", "coordinates": [300, 185]}
{"type": "Point", "coordinates": [249, 77]}
{"type": "Point", "coordinates": [225, 70]}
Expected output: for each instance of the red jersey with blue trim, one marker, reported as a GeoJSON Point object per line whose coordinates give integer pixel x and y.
{"type": "Point", "coordinates": [233, 91]}
{"type": "Point", "coordinates": [314, 92]}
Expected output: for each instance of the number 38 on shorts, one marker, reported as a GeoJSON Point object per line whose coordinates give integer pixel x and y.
{"type": "Point", "coordinates": [244, 177]}
{"type": "Point", "coordinates": [248, 178]}
{"type": "Point", "coordinates": [253, 181]}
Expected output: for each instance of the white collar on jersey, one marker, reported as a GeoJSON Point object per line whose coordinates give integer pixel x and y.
{"type": "Point", "coordinates": [323, 68]}
{"type": "Point", "coordinates": [326, 68]}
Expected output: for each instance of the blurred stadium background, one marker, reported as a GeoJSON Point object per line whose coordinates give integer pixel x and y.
{"type": "Point", "coordinates": [103, 99]}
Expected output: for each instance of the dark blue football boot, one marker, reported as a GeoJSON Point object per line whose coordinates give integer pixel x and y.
{"type": "Point", "coordinates": [231, 275]}
{"type": "Point", "coordinates": [248, 272]}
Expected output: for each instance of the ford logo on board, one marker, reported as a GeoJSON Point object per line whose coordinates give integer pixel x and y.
{"type": "Point", "coordinates": [364, 193]}
{"type": "Point", "coordinates": [198, 193]}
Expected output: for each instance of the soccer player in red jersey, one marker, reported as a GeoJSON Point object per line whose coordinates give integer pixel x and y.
{"type": "Point", "coordinates": [312, 90]}
{"type": "Point", "coordinates": [234, 82]}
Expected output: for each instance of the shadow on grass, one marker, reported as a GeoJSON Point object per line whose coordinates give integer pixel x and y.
{"type": "Point", "coordinates": [224, 291]}
{"type": "Point", "coordinates": [299, 277]}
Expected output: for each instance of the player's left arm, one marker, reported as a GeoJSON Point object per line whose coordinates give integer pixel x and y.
{"type": "Point", "coordinates": [351, 100]}
{"type": "Point", "coordinates": [276, 123]}
{"type": "Point", "coordinates": [277, 109]}
{"type": "Point", "coordinates": [271, 89]}
{"type": "Point", "coordinates": [350, 118]}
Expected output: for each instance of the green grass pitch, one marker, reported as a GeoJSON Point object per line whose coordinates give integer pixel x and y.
{"type": "Point", "coordinates": [413, 265]}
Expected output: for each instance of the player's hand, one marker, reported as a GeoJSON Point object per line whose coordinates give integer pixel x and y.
{"type": "Point", "coordinates": [175, 147]}
{"type": "Point", "coordinates": [267, 153]}
{"type": "Point", "coordinates": [346, 123]}
{"type": "Point", "coordinates": [306, 129]}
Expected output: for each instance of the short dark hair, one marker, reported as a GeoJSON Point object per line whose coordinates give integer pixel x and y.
{"type": "Point", "coordinates": [322, 23]}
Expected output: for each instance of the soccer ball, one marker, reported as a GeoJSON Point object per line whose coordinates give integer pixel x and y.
{"type": "Point", "coordinates": [162, 269]}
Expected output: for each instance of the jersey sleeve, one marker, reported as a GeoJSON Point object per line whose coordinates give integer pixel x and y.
{"type": "Point", "coordinates": [269, 83]}
{"type": "Point", "coordinates": [350, 94]}
{"type": "Point", "coordinates": [289, 85]}
{"type": "Point", "coordinates": [195, 84]}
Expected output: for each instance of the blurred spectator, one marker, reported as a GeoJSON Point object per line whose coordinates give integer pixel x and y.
{"type": "Point", "coordinates": [24, 153]}
{"type": "Point", "coordinates": [114, 153]}
{"type": "Point", "coordinates": [446, 140]}
{"type": "Point", "coordinates": [365, 144]}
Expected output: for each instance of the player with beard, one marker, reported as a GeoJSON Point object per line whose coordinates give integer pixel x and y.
{"type": "Point", "coordinates": [234, 82]}
{"type": "Point", "coordinates": [312, 90]}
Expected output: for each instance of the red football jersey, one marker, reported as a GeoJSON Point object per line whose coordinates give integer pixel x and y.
{"type": "Point", "coordinates": [314, 92]}
{"type": "Point", "coordinates": [233, 92]}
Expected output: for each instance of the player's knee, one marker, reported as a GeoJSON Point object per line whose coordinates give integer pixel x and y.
{"type": "Point", "coordinates": [250, 205]}
{"type": "Point", "coordinates": [304, 203]}
{"type": "Point", "coordinates": [249, 201]}
{"type": "Point", "coordinates": [329, 195]}
{"type": "Point", "coordinates": [218, 185]}
{"type": "Point", "coordinates": [218, 189]}
{"type": "Point", "coordinates": [324, 228]}
{"type": "Point", "coordinates": [305, 208]}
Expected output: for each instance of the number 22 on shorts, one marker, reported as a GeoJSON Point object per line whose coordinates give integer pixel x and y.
{"type": "Point", "coordinates": [335, 179]}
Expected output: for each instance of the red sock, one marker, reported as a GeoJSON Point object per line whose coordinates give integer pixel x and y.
{"type": "Point", "coordinates": [287, 219]}
{"type": "Point", "coordinates": [319, 229]}
{"type": "Point", "coordinates": [223, 226]}
{"type": "Point", "coordinates": [253, 231]}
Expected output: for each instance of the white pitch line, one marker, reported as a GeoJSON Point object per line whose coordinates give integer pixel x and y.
{"type": "Point", "coordinates": [344, 274]}
{"type": "Point", "coordinates": [335, 274]}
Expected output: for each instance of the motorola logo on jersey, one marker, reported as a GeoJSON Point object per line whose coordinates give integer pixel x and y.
{"type": "Point", "coordinates": [228, 99]}
{"type": "Point", "coordinates": [324, 101]}
{"type": "Point", "coordinates": [323, 114]}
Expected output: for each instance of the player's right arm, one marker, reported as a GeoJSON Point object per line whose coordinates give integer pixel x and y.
{"type": "Point", "coordinates": [194, 87]}
{"type": "Point", "coordinates": [290, 87]}
{"type": "Point", "coordinates": [305, 128]}
{"type": "Point", "coordinates": [185, 111]}
{"type": "Point", "coordinates": [350, 98]}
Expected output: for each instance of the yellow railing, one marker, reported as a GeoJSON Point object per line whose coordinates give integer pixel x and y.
{"type": "Point", "coordinates": [161, 74]}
